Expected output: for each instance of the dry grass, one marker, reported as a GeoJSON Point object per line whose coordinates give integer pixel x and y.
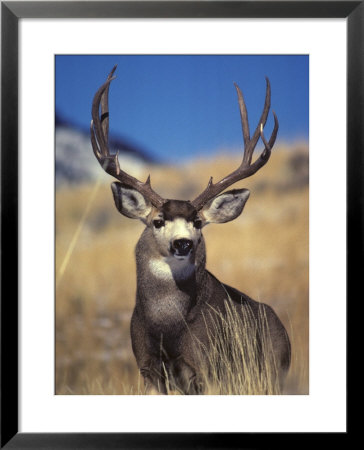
{"type": "Point", "coordinates": [263, 253]}
{"type": "Point", "coordinates": [232, 366]}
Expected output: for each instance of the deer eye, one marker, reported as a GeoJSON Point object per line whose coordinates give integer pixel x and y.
{"type": "Point", "coordinates": [158, 223]}
{"type": "Point", "coordinates": [197, 223]}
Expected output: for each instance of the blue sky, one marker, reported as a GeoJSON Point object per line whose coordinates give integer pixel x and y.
{"type": "Point", "coordinates": [186, 106]}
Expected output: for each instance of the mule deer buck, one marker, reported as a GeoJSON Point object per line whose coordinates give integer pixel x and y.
{"type": "Point", "coordinates": [175, 291]}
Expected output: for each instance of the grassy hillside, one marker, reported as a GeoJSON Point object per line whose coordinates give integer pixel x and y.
{"type": "Point", "coordinates": [263, 253]}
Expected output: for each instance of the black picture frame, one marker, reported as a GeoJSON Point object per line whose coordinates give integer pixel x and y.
{"type": "Point", "coordinates": [11, 12]}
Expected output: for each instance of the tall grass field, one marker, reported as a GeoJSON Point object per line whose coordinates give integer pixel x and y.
{"type": "Point", "coordinates": [263, 253]}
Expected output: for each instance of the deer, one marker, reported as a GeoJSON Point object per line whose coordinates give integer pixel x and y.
{"type": "Point", "coordinates": [175, 293]}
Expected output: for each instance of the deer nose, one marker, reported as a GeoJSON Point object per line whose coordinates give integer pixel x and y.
{"type": "Point", "coordinates": [182, 246]}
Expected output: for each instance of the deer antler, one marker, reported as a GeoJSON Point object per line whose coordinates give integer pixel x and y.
{"type": "Point", "coordinates": [246, 168]}
{"type": "Point", "coordinates": [99, 139]}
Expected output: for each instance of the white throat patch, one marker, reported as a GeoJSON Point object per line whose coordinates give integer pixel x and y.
{"type": "Point", "coordinates": [170, 268]}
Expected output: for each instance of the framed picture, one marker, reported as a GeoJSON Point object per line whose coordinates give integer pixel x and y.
{"type": "Point", "coordinates": [65, 339]}
{"type": "Point", "coordinates": [178, 146]}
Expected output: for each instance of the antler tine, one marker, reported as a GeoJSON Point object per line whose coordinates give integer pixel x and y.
{"type": "Point", "coordinates": [244, 118]}
{"type": "Point", "coordinates": [99, 133]}
{"type": "Point", "coordinates": [105, 106]}
{"type": "Point", "coordinates": [246, 168]}
{"type": "Point", "coordinates": [99, 130]}
{"type": "Point", "coordinates": [250, 144]}
{"type": "Point", "coordinates": [262, 121]}
{"type": "Point", "coordinates": [269, 145]}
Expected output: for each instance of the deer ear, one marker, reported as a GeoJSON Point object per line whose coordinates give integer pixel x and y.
{"type": "Point", "coordinates": [225, 207]}
{"type": "Point", "coordinates": [130, 202]}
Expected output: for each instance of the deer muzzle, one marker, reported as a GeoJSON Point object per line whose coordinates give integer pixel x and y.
{"type": "Point", "coordinates": [181, 247]}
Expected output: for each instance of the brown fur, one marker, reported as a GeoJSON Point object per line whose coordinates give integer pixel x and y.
{"type": "Point", "coordinates": [170, 314]}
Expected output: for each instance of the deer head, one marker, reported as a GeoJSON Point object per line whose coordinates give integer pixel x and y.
{"type": "Point", "coordinates": [176, 224]}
